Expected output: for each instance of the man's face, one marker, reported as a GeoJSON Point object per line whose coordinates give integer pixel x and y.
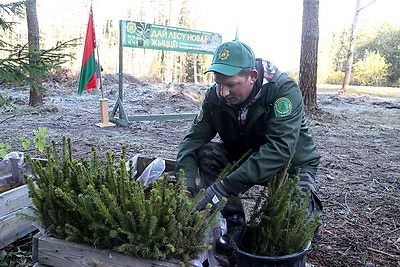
{"type": "Point", "coordinates": [235, 89]}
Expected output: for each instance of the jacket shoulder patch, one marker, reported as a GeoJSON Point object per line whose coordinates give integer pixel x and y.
{"type": "Point", "coordinates": [200, 115]}
{"type": "Point", "coordinates": [282, 107]}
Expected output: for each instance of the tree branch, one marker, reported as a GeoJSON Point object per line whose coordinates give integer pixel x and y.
{"type": "Point", "coordinates": [370, 3]}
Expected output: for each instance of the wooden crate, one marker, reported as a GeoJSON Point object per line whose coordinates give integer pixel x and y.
{"type": "Point", "coordinates": [12, 203]}
{"type": "Point", "coordinates": [13, 226]}
{"type": "Point", "coordinates": [50, 251]}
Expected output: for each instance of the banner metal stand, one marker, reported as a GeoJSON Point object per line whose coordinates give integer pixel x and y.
{"type": "Point", "coordinates": [151, 36]}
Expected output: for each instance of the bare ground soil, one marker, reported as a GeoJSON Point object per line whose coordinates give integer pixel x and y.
{"type": "Point", "coordinates": [357, 136]}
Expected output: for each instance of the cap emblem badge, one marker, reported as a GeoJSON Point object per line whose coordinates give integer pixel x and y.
{"type": "Point", "coordinates": [224, 54]}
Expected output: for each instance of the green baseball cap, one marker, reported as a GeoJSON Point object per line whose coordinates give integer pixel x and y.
{"type": "Point", "coordinates": [231, 57]}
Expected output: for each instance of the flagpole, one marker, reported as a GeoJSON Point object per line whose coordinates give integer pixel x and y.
{"type": "Point", "coordinates": [100, 76]}
{"type": "Point", "coordinates": [104, 119]}
{"type": "Point", "coordinates": [87, 79]}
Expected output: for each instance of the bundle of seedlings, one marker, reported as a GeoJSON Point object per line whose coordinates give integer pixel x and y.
{"type": "Point", "coordinates": [96, 203]}
{"type": "Point", "coordinates": [280, 223]}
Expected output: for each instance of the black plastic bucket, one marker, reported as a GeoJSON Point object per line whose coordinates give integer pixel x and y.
{"type": "Point", "coordinates": [245, 259]}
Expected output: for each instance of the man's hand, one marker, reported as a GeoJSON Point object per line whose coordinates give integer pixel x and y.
{"type": "Point", "coordinates": [214, 194]}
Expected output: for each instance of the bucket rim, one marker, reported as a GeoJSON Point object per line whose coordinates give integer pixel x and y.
{"type": "Point", "coordinates": [283, 257]}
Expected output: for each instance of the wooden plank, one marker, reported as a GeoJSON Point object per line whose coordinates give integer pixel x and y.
{"type": "Point", "coordinates": [57, 252]}
{"type": "Point", "coordinates": [13, 202]}
{"type": "Point", "coordinates": [13, 227]}
{"type": "Point", "coordinates": [162, 117]}
{"type": "Point", "coordinates": [152, 117]}
{"type": "Point", "coordinates": [14, 199]}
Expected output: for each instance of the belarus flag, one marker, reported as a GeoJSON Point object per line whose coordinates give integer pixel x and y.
{"type": "Point", "coordinates": [87, 79]}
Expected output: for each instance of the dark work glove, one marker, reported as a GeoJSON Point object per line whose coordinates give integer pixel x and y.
{"type": "Point", "coordinates": [214, 194]}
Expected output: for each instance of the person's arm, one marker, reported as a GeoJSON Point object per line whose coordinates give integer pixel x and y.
{"type": "Point", "coordinates": [280, 141]}
{"type": "Point", "coordinates": [201, 132]}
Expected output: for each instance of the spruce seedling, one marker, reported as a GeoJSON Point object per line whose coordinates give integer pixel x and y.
{"type": "Point", "coordinates": [99, 204]}
{"type": "Point", "coordinates": [280, 224]}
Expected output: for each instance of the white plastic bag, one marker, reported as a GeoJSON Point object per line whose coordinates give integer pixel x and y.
{"type": "Point", "coordinates": [210, 254]}
{"type": "Point", "coordinates": [152, 172]}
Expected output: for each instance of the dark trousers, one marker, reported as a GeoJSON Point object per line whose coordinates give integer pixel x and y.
{"type": "Point", "coordinates": [212, 159]}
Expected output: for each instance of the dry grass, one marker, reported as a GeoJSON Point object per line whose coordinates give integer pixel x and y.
{"type": "Point", "coordinates": [386, 92]}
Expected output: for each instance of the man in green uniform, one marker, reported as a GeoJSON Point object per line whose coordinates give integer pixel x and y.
{"type": "Point", "coordinates": [251, 107]}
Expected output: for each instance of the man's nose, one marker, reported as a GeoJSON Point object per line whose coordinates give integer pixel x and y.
{"type": "Point", "coordinates": [224, 91]}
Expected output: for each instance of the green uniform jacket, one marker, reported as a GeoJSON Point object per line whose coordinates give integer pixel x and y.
{"type": "Point", "coordinates": [275, 136]}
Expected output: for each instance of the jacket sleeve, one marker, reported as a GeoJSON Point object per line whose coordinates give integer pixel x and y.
{"type": "Point", "coordinates": [201, 132]}
{"type": "Point", "coordinates": [282, 134]}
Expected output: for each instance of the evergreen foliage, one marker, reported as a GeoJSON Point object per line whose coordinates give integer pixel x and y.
{"type": "Point", "coordinates": [15, 64]}
{"type": "Point", "coordinates": [98, 204]}
{"type": "Point", "coordinates": [15, 68]}
{"type": "Point", "coordinates": [279, 223]}
{"type": "Point", "coordinates": [8, 10]}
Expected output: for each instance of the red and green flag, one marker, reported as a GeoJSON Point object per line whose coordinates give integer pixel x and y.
{"type": "Point", "coordinates": [87, 78]}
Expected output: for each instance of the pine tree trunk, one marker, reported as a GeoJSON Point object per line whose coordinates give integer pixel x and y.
{"type": "Point", "coordinates": [36, 94]}
{"type": "Point", "coordinates": [309, 53]}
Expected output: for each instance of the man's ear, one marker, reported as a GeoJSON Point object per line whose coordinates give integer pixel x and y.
{"type": "Point", "coordinates": [253, 75]}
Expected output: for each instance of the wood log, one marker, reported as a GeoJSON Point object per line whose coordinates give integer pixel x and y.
{"type": "Point", "coordinates": [51, 251]}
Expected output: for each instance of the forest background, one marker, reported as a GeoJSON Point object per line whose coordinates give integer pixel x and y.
{"type": "Point", "coordinates": [274, 34]}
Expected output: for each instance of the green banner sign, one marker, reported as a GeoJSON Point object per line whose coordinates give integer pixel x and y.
{"type": "Point", "coordinates": [145, 35]}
